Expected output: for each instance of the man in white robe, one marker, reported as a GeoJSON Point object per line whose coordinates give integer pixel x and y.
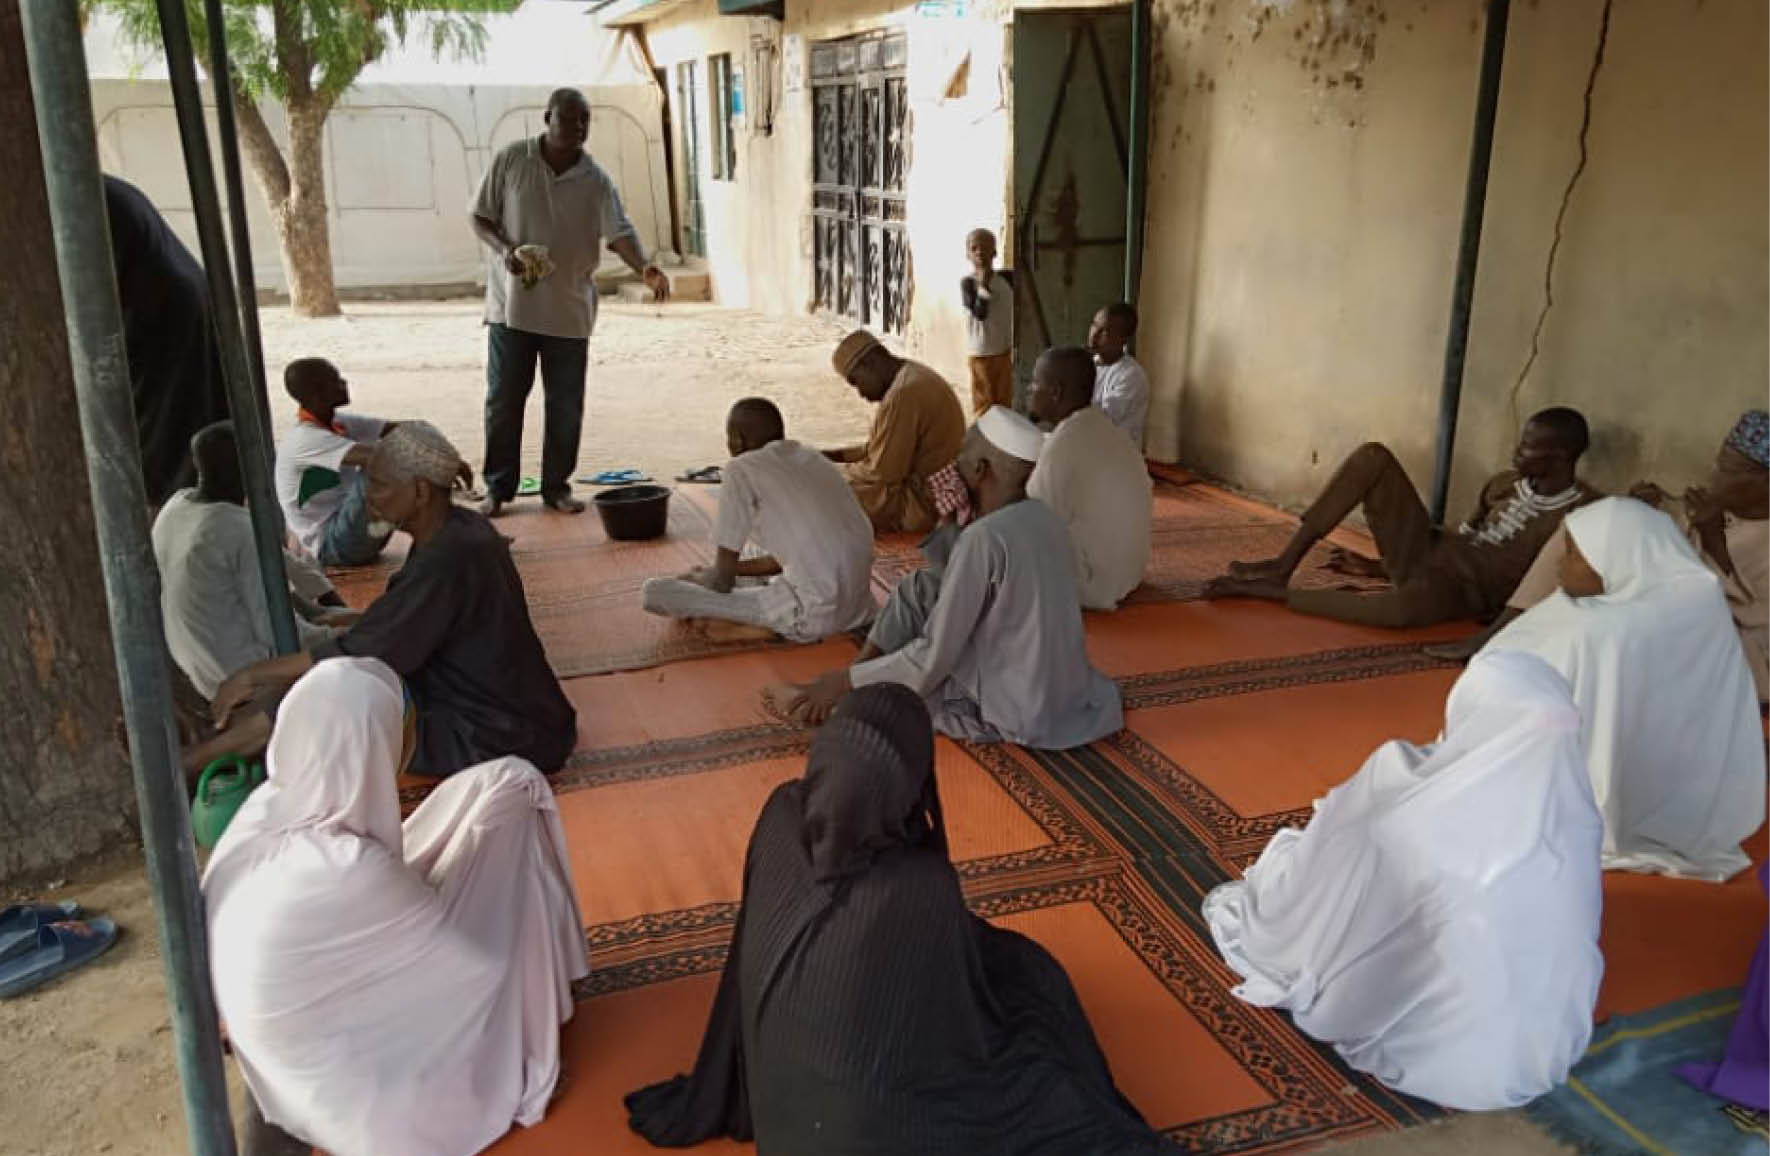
{"type": "Point", "coordinates": [1437, 920]}
{"type": "Point", "coordinates": [814, 578]}
{"type": "Point", "coordinates": [991, 638]}
{"type": "Point", "coordinates": [1092, 477]}
{"type": "Point", "coordinates": [1641, 629]}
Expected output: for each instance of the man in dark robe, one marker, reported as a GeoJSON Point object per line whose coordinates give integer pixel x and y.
{"type": "Point", "coordinates": [453, 624]}
{"type": "Point", "coordinates": [174, 365]}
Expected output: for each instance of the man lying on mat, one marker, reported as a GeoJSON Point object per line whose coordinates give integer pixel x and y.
{"type": "Point", "coordinates": [815, 579]}
{"type": "Point", "coordinates": [1437, 576]}
{"type": "Point", "coordinates": [992, 638]}
{"type": "Point", "coordinates": [453, 623]}
{"type": "Point", "coordinates": [1092, 477]}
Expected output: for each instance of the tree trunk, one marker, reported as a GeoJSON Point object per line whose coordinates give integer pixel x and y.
{"type": "Point", "coordinates": [301, 223]}
{"type": "Point", "coordinates": [65, 787]}
{"type": "Point", "coordinates": [296, 193]}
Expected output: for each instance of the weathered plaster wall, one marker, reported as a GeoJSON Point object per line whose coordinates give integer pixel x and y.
{"type": "Point", "coordinates": [1307, 164]}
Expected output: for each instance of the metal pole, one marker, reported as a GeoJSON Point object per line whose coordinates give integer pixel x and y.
{"type": "Point", "coordinates": [1456, 341]}
{"type": "Point", "coordinates": [244, 402]}
{"type": "Point", "coordinates": [132, 588]}
{"type": "Point", "coordinates": [245, 278]}
{"type": "Point", "coordinates": [1136, 176]}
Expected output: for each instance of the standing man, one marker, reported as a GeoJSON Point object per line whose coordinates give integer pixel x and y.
{"type": "Point", "coordinates": [545, 209]}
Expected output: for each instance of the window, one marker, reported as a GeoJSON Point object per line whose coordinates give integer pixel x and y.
{"type": "Point", "coordinates": [724, 141]}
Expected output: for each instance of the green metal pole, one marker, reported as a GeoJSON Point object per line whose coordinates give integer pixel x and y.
{"type": "Point", "coordinates": [71, 177]}
{"type": "Point", "coordinates": [1137, 169]}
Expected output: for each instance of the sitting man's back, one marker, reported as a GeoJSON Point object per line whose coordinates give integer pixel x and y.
{"type": "Point", "coordinates": [1093, 478]}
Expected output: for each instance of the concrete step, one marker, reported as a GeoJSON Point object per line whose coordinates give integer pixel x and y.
{"type": "Point", "coordinates": [689, 280]}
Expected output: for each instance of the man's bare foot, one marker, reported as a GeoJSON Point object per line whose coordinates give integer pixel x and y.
{"type": "Point", "coordinates": [1265, 589]}
{"type": "Point", "coordinates": [719, 631]}
{"type": "Point", "coordinates": [1354, 565]}
{"type": "Point", "coordinates": [491, 507]}
{"type": "Point", "coordinates": [1263, 568]}
{"type": "Point", "coordinates": [564, 504]}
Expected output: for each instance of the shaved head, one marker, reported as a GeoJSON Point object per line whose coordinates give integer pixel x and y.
{"type": "Point", "coordinates": [753, 423]}
{"type": "Point", "coordinates": [316, 385]}
{"type": "Point", "coordinates": [217, 458]}
{"type": "Point", "coordinates": [1063, 383]}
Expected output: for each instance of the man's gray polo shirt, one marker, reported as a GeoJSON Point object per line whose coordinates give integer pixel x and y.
{"type": "Point", "coordinates": [572, 213]}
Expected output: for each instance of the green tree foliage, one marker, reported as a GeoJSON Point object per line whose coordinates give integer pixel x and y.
{"type": "Point", "coordinates": [304, 54]}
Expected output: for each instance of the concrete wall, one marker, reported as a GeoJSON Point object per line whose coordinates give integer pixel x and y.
{"type": "Point", "coordinates": [1307, 166]}
{"type": "Point", "coordinates": [401, 164]}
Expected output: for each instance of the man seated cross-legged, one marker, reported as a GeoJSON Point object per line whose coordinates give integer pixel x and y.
{"type": "Point", "coordinates": [815, 579]}
{"type": "Point", "coordinates": [1437, 575]}
{"type": "Point", "coordinates": [1092, 477]}
{"type": "Point", "coordinates": [453, 624]}
{"type": "Point", "coordinates": [991, 637]}
{"type": "Point", "coordinates": [916, 433]}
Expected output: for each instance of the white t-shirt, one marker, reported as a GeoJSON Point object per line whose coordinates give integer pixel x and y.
{"type": "Point", "coordinates": [1122, 390]}
{"type": "Point", "coordinates": [795, 504]}
{"type": "Point", "coordinates": [994, 334]}
{"type": "Point", "coordinates": [311, 474]}
{"type": "Point", "coordinates": [211, 595]}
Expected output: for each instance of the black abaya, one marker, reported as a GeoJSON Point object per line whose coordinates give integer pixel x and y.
{"type": "Point", "coordinates": [863, 1009]}
{"type": "Point", "coordinates": [174, 364]}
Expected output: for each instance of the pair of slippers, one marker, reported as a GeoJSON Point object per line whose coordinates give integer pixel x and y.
{"type": "Point", "coordinates": [39, 942]}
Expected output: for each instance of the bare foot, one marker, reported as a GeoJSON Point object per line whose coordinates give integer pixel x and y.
{"type": "Point", "coordinates": [491, 507]}
{"type": "Point", "coordinates": [564, 504]}
{"type": "Point", "coordinates": [1354, 565]}
{"type": "Point", "coordinates": [719, 631]}
{"type": "Point", "coordinates": [1265, 589]}
{"type": "Point", "coordinates": [1264, 568]}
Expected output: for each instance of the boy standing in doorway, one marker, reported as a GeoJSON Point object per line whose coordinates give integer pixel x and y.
{"type": "Point", "coordinates": [988, 297]}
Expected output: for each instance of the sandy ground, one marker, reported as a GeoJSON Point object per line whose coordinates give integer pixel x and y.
{"type": "Point", "coordinates": [88, 1065]}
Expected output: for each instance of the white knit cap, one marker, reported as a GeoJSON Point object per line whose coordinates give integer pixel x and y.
{"type": "Point", "coordinates": [418, 449]}
{"type": "Point", "coordinates": [1011, 433]}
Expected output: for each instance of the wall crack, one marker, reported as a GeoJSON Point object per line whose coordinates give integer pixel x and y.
{"type": "Point", "coordinates": [1579, 169]}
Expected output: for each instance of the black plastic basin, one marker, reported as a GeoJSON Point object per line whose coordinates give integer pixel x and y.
{"type": "Point", "coordinates": [634, 513]}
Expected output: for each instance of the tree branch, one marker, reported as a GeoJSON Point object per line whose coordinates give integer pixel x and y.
{"type": "Point", "coordinates": [293, 59]}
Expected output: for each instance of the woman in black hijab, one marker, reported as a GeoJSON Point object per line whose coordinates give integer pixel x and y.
{"type": "Point", "coordinates": [863, 1009]}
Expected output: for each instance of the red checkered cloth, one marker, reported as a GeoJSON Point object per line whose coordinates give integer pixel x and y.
{"type": "Point", "coordinates": [948, 493]}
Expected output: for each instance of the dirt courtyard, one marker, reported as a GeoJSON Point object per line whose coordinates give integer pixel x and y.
{"type": "Point", "coordinates": [660, 379]}
{"type": "Point", "coordinates": [88, 1066]}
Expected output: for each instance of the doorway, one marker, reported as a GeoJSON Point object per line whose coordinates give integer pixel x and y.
{"type": "Point", "coordinates": [688, 111]}
{"type": "Point", "coordinates": [1072, 103]}
{"type": "Point", "coordinates": [860, 158]}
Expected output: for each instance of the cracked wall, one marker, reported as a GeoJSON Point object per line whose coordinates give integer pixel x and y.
{"type": "Point", "coordinates": [1307, 166]}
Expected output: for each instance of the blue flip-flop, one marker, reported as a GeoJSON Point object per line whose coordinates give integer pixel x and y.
{"type": "Point", "coordinates": [626, 477]}
{"type": "Point", "coordinates": [61, 947]}
{"type": "Point", "coordinates": [19, 924]}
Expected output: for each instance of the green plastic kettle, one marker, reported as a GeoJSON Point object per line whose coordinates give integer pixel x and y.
{"type": "Point", "coordinates": [222, 787]}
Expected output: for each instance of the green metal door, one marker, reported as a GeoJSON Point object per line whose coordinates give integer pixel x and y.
{"type": "Point", "coordinates": [1072, 84]}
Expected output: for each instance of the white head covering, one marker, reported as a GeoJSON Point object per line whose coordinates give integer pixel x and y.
{"type": "Point", "coordinates": [1437, 921]}
{"type": "Point", "coordinates": [418, 449]}
{"type": "Point", "coordinates": [1667, 702]}
{"type": "Point", "coordinates": [383, 998]}
{"type": "Point", "coordinates": [1633, 547]}
{"type": "Point", "coordinates": [1011, 433]}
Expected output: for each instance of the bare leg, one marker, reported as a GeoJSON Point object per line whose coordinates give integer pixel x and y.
{"type": "Point", "coordinates": [1277, 569]}
{"type": "Point", "coordinates": [1354, 565]}
{"type": "Point", "coordinates": [1466, 648]}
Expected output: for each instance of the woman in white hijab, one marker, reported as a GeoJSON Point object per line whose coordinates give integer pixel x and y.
{"type": "Point", "coordinates": [1642, 630]}
{"type": "Point", "coordinates": [1437, 921]}
{"type": "Point", "coordinates": [391, 991]}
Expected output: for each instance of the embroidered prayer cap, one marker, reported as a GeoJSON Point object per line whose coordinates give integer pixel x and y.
{"type": "Point", "coordinates": [851, 350]}
{"type": "Point", "coordinates": [1011, 433]}
{"type": "Point", "coordinates": [418, 449]}
{"type": "Point", "coordinates": [1751, 436]}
